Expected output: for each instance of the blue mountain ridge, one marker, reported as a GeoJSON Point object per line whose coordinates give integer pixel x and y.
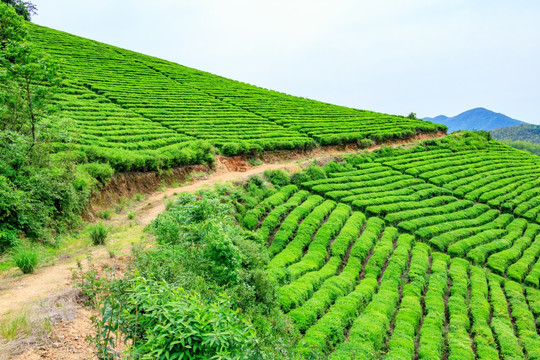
{"type": "Point", "coordinates": [475, 119]}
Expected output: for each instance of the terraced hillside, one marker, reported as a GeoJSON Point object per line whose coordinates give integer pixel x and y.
{"type": "Point", "coordinates": [140, 112]}
{"type": "Point", "coordinates": [427, 253]}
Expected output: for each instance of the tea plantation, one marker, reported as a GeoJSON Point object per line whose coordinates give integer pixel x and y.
{"type": "Point", "coordinates": [140, 112]}
{"type": "Point", "coordinates": [426, 253]}
{"type": "Point", "coordinates": [423, 252]}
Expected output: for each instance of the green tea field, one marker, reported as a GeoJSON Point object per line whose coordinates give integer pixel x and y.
{"type": "Point", "coordinates": [307, 231]}
{"type": "Point", "coordinates": [140, 112]}
{"type": "Point", "coordinates": [428, 253]}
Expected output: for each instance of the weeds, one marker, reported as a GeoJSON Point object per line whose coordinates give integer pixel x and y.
{"type": "Point", "coordinates": [26, 258]}
{"type": "Point", "coordinates": [99, 233]}
{"type": "Point", "coordinates": [105, 214]}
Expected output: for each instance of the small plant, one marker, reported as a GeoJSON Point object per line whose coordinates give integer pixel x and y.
{"type": "Point", "coordinates": [139, 197]}
{"type": "Point", "coordinates": [105, 214]}
{"type": "Point", "coordinates": [122, 203]}
{"type": "Point", "coordinates": [26, 258]}
{"type": "Point", "coordinates": [112, 249]}
{"type": "Point", "coordinates": [13, 325]}
{"type": "Point", "coordinates": [277, 177]}
{"type": "Point", "coordinates": [99, 233]}
{"type": "Point", "coordinates": [131, 215]}
{"type": "Point", "coordinates": [169, 203]}
{"type": "Point", "coordinates": [254, 161]}
{"type": "Point", "coordinates": [163, 186]}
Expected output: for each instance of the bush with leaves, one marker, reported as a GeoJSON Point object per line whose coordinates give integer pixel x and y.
{"type": "Point", "coordinates": [277, 177]}
{"type": "Point", "coordinates": [39, 193]}
{"type": "Point", "coordinates": [166, 322]}
{"type": "Point", "coordinates": [174, 293]}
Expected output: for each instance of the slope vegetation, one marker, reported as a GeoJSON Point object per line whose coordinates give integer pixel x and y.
{"type": "Point", "coordinates": [140, 112]}
{"type": "Point", "coordinates": [529, 133]}
{"type": "Point", "coordinates": [426, 253]}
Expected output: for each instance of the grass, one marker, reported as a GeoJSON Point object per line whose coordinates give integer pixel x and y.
{"type": "Point", "coordinates": [105, 214]}
{"type": "Point", "coordinates": [99, 233]}
{"type": "Point", "coordinates": [22, 323]}
{"type": "Point", "coordinates": [26, 258]}
{"type": "Point", "coordinates": [12, 325]}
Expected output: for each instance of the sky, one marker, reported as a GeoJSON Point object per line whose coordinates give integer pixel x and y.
{"type": "Point", "coordinates": [430, 57]}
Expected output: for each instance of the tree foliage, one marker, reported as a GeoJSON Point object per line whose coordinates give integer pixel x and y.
{"type": "Point", "coordinates": [38, 190]}
{"type": "Point", "coordinates": [24, 8]}
{"type": "Point", "coordinates": [29, 81]}
{"type": "Point", "coordinates": [527, 132]}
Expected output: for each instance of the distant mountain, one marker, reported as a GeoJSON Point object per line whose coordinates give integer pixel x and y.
{"type": "Point", "coordinates": [437, 119]}
{"type": "Point", "coordinates": [475, 119]}
{"type": "Point", "coordinates": [526, 132]}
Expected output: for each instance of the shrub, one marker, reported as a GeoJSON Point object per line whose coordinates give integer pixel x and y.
{"type": "Point", "coordinates": [99, 171]}
{"type": "Point", "coordinates": [232, 149]}
{"type": "Point", "coordinates": [99, 233]}
{"type": "Point", "coordinates": [365, 143]}
{"type": "Point", "coordinates": [105, 214]}
{"type": "Point", "coordinates": [315, 172]}
{"type": "Point", "coordinates": [160, 319]}
{"type": "Point", "coordinates": [299, 178]}
{"type": "Point", "coordinates": [131, 215]}
{"type": "Point", "coordinates": [8, 238]}
{"type": "Point", "coordinates": [26, 258]}
{"type": "Point", "coordinates": [277, 177]}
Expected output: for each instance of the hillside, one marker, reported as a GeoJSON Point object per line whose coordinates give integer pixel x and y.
{"type": "Point", "coordinates": [451, 226]}
{"type": "Point", "coordinates": [416, 250]}
{"type": "Point", "coordinates": [527, 132]}
{"type": "Point", "coordinates": [475, 119]}
{"type": "Point", "coordinates": [140, 112]}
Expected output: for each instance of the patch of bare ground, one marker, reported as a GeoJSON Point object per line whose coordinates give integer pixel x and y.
{"type": "Point", "coordinates": [446, 323]}
{"type": "Point", "coordinates": [59, 328]}
{"type": "Point", "coordinates": [48, 313]}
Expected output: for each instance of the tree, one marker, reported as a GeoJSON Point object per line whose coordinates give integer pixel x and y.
{"type": "Point", "coordinates": [24, 8]}
{"type": "Point", "coordinates": [12, 27]}
{"type": "Point", "coordinates": [30, 80]}
{"type": "Point", "coordinates": [36, 189]}
{"type": "Point", "coordinates": [412, 116]}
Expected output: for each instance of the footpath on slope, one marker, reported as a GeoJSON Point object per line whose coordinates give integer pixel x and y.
{"type": "Point", "coordinates": [54, 281]}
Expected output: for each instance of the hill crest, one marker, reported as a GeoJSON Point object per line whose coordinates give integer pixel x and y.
{"type": "Point", "coordinates": [476, 119]}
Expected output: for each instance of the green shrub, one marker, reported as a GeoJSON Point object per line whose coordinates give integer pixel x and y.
{"type": "Point", "coordinates": [131, 215]}
{"type": "Point", "coordinates": [277, 177]}
{"type": "Point", "coordinates": [299, 178]}
{"type": "Point", "coordinates": [26, 258]}
{"type": "Point", "coordinates": [99, 233]}
{"type": "Point", "coordinates": [231, 149]}
{"type": "Point", "coordinates": [105, 214]}
{"type": "Point", "coordinates": [161, 319]}
{"type": "Point", "coordinates": [365, 143]}
{"type": "Point", "coordinates": [315, 172]}
{"type": "Point", "coordinates": [99, 171]}
{"type": "Point", "coordinates": [8, 238]}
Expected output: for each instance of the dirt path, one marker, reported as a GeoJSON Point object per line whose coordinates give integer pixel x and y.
{"type": "Point", "coordinates": [17, 291]}
{"type": "Point", "coordinates": [155, 203]}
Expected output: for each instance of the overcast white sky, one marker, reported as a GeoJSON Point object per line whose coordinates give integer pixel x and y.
{"type": "Point", "coordinates": [395, 56]}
